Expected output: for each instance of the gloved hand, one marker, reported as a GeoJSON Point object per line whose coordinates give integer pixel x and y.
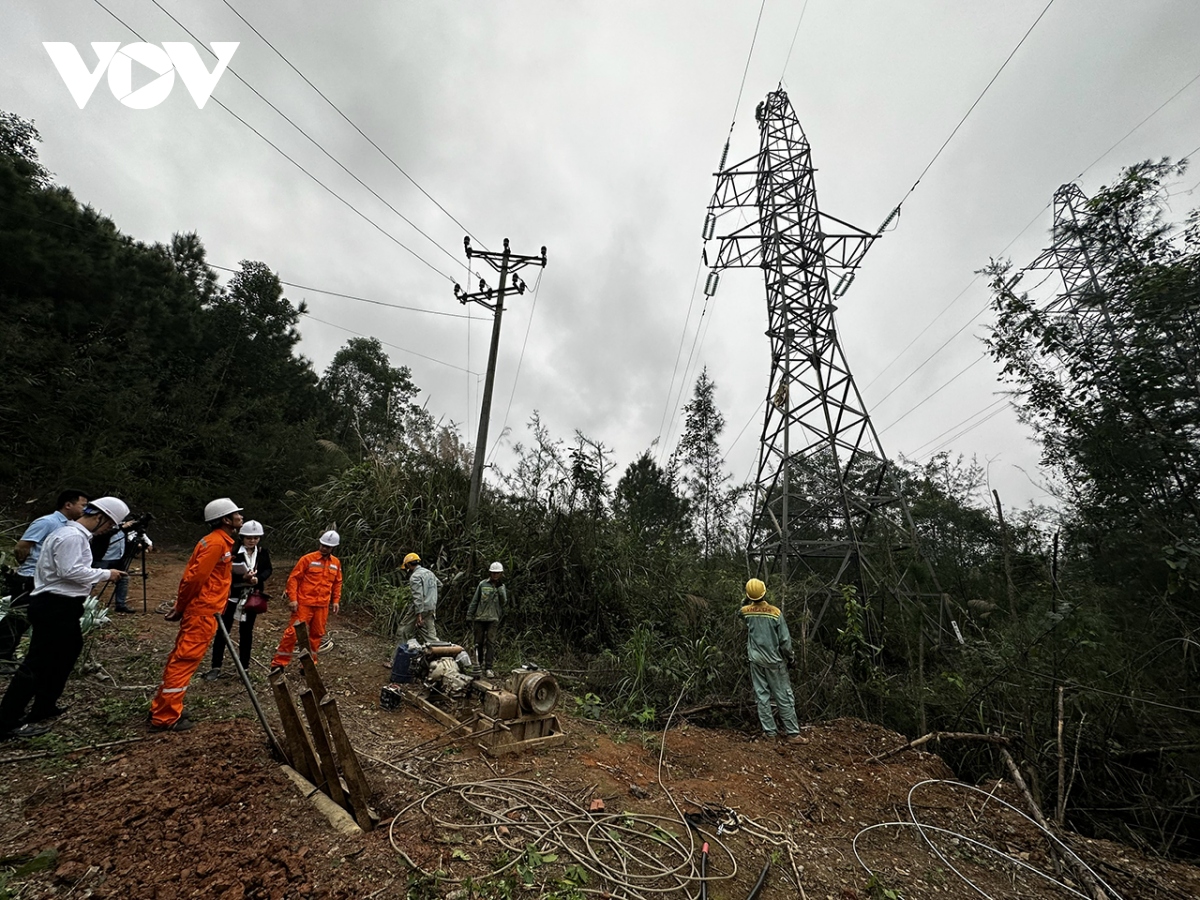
{"type": "Point", "coordinates": [791, 661]}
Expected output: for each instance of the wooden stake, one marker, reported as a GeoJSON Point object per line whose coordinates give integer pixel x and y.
{"type": "Point", "coordinates": [356, 779]}
{"type": "Point", "coordinates": [1060, 809]}
{"type": "Point", "coordinates": [304, 758]}
{"type": "Point", "coordinates": [312, 676]}
{"type": "Point", "coordinates": [316, 724]}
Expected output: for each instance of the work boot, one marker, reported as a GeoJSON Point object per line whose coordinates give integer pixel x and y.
{"type": "Point", "coordinates": [28, 730]}
{"type": "Point", "coordinates": [183, 723]}
{"type": "Point", "coordinates": [122, 609]}
{"type": "Point", "coordinates": [212, 674]}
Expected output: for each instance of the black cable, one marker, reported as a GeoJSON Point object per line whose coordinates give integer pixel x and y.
{"type": "Point", "coordinates": [316, 144]}
{"type": "Point", "coordinates": [351, 123]}
{"type": "Point", "coordinates": [276, 148]}
{"type": "Point", "coordinates": [976, 103]}
{"type": "Point", "coordinates": [386, 344]}
{"type": "Point", "coordinates": [307, 287]}
{"type": "Point", "coordinates": [749, 55]}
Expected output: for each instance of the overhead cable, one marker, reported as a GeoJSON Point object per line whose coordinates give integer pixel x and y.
{"type": "Point", "coordinates": [352, 124]}
{"type": "Point", "coordinates": [317, 290]}
{"type": "Point", "coordinates": [440, 362]}
{"type": "Point", "coordinates": [988, 87]}
{"type": "Point", "coordinates": [319, 146]}
{"type": "Point", "coordinates": [314, 178]}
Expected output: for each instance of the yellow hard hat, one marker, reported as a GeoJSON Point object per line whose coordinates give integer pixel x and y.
{"type": "Point", "coordinates": [755, 589]}
{"type": "Point", "coordinates": [411, 558]}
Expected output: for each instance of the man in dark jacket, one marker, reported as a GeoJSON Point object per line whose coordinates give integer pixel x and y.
{"type": "Point", "coordinates": [486, 611]}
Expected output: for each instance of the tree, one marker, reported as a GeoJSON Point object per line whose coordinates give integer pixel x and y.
{"type": "Point", "coordinates": [1108, 378]}
{"type": "Point", "coordinates": [374, 399]}
{"type": "Point", "coordinates": [647, 501]}
{"type": "Point", "coordinates": [703, 475]}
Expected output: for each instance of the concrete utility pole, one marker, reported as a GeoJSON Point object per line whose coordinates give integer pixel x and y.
{"type": "Point", "coordinates": [506, 263]}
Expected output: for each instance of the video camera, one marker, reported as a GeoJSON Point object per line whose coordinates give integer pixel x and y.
{"type": "Point", "coordinates": [135, 526]}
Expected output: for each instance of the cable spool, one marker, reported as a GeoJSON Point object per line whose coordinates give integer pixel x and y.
{"type": "Point", "coordinates": [538, 693]}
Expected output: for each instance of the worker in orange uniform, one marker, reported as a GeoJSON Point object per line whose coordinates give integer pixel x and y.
{"type": "Point", "coordinates": [315, 582]}
{"type": "Point", "coordinates": [203, 593]}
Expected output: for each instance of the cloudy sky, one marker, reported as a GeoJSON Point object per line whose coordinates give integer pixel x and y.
{"type": "Point", "coordinates": [594, 129]}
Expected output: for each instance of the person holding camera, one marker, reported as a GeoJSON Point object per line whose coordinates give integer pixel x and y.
{"type": "Point", "coordinates": [769, 648]}
{"type": "Point", "coordinates": [247, 596]}
{"type": "Point", "coordinates": [112, 554]}
{"type": "Point", "coordinates": [63, 579]}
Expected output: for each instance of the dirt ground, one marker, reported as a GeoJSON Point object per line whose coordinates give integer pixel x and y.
{"type": "Point", "coordinates": [116, 811]}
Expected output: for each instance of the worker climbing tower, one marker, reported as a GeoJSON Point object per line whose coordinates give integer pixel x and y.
{"type": "Point", "coordinates": [827, 510]}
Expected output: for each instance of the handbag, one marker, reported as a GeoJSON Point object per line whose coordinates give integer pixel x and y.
{"type": "Point", "coordinates": [256, 602]}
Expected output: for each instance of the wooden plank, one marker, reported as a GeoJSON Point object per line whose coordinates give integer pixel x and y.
{"type": "Point", "coordinates": [522, 746]}
{"type": "Point", "coordinates": [301, 629]}
{"type": "Point", "coordinates": [311, 676]}
{"type": "Point", "coordinates": [441, 715]}
{"type": "Point", "coordinates": [300, 748]}
{"type": "Point", "coordinates": [316, 724]}
{"type": "Point", "coordinates": [356, 779]}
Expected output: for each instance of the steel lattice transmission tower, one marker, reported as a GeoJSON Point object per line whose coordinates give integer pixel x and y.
{"type": "Point", "coordinates": [1082, 265]}
{"type": "Point", "coordinates": [827, 510]}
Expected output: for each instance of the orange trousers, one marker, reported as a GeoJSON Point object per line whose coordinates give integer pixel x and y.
{"type": "Point", "coordinates": [191, 646]}
{"type": "Point", "coordinates": [315, 618]}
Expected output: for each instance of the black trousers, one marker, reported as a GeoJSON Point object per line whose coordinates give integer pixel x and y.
{"type": "Point", "coordinates": [485, 642]}
{"type": "Point", "coordinates": [54, 647]}
{"type": "Point", "coordinates": [245, 636]}
{"type": "Point", "coordinates": [13, 627]}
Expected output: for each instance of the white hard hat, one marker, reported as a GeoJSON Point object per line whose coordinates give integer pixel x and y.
{"type": "Point", "coordinates": [219, 509]}
{"type": "Point", "coordinates": [252, 528]}
{"type": "Point", "coordinates": [495, 567]}
{"type": "Point", "coordinates": [330, 539]}
{"type": "Point", "coordinates": [113, 508]}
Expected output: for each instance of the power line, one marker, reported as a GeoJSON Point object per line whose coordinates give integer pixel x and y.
{"type": "Point", "coordinates": [678, 355]}
{"type": "Point", "coordinates": [976, 103]}
{"type": "Point", "coordinates": [318, 145]}
{"type": "Point", "coordinates": [749, 56]}
{"type": "Point", "coordinates": [917, 450]}
{"type": "Point", "coordinates": [278, 150]}
{"type": "Point", "coordinates": [352, 124]}
{"type": "Point", "coordinates": [944, 385]}
{"type": "Point", "coordinates": [316, 290]}
{"type": "Point", "coordinates": [440, 362]}
{"type": "Point", "coordinates": [1140, 124]}
{"type": "Point", "coordinates": [792, 45]}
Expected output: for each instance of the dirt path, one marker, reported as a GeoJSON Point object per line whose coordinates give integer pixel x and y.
{"type": "Point", "coordinates": [206, 813]}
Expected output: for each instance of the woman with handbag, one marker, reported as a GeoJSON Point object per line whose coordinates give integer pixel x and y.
{"type": "Point", "coordinates": [247, 596]}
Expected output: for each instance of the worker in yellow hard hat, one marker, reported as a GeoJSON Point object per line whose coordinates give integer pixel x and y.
{"type": "Point", "coordinates": [420, 615]}
{"type": "Point", "coordinates": [769, 648]}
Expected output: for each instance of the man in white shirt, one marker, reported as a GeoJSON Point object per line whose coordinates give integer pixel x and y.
{"type": "Point", "coordinates": [62, 581]}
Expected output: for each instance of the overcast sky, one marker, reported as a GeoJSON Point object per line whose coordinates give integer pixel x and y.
{"type": "Point", "coordinates": [594, 129]}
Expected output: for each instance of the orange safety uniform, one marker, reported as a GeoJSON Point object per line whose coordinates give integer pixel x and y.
{"type": "Point", "coordinates": [203, 593]}
{"type": "Point", "coordinates": [315, 582]}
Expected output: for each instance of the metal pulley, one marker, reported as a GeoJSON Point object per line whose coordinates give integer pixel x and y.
{"type": "Point", "coordinates": [538, 693]}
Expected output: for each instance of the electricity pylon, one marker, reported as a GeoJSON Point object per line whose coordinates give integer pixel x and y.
{"type": "Point", "coordinates": [827, 509]}
{"type": "Point", "coordinates": [1081, 263]}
